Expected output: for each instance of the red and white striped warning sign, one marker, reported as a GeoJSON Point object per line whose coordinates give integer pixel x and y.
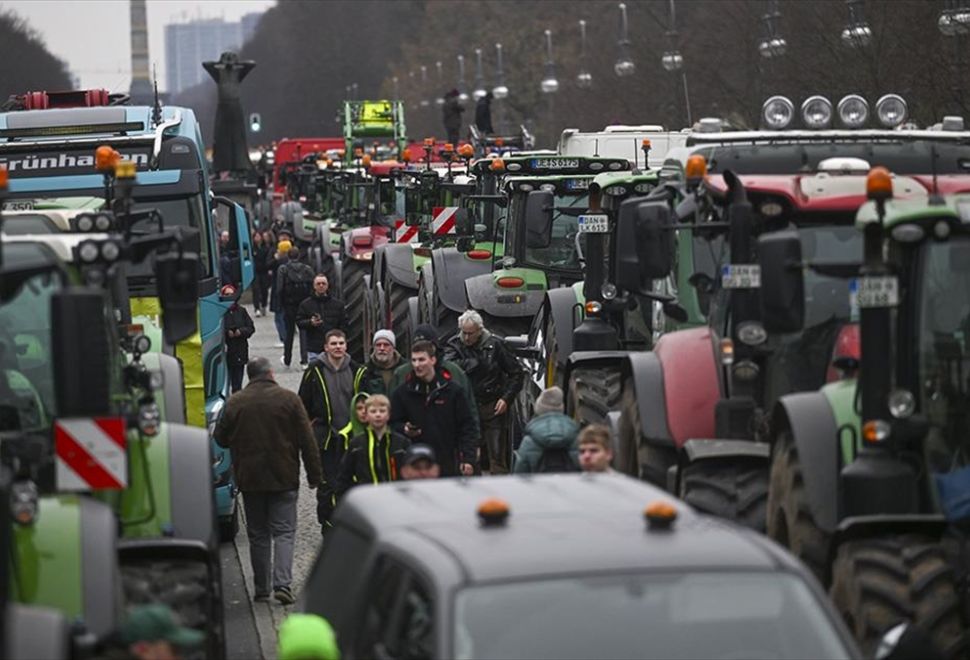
{"type": "Point", "coordinates": [404, 233]}
{"type": "Point", "coordinates": [443, 220]}
{"type": "Point", "coordinates": [91, 453]}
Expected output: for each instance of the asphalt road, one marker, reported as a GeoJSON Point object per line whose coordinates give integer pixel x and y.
{"type": "Point", "coordinates": [251, 627]}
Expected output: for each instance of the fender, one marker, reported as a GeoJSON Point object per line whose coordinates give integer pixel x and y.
{"type": "Point", "coordinates": [691, 382]}
{"type": "Point", "coordinates": [451, 268]}
{"type": "Point", "coordinates": [860, 527]}
{"type": "Point", "coordinates": [359, 243]}
{"type": "Point", "coordinates": [559, 306]}
{"type": "Point", "coordinates": [483, 295]}
{"type": "Point", "coordinates": [398, 265]}
{"type": "Point", "coordinates": [697, 449]}
{"type": "Point", "coordinates": [808, 415]}
{"type": "Point", "coordinates": [66, 560]}
{"type": "Point", "coordinates": [645, 373]}
{"type": "Point", "coordinates": [172, 400]}
{"type": "Point", "coordinates": [191, 492]}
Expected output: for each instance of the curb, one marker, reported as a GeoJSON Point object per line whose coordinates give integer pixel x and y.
{"type": "Point", "coordinates": [266, 626]}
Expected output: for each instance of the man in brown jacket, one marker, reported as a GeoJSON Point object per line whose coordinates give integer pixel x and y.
{"type": "Point", "coordinates": [268, 430]}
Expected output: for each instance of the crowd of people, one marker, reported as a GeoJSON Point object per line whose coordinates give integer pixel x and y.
{"type": "Point", "coordinates": [444, 411]}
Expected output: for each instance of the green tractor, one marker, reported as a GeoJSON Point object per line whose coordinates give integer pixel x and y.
{"type": "Point", "coordinates": [870, 476]}
{"type": "Point", "coordinates": [113, 506]}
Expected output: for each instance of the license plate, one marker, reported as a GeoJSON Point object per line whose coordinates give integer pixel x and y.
{"type": "Point", "coordinates": [577, 184]}
{"type": "Point", "coordinates": [18, 205]}
{"type": "Point", "coordinates": [874, 292]}
{"type": "Point", "coordinates": [554, 163]}
{"type": "Point", "coordinates": [594, 224]}
{"type": "Point", "coordinates": [741, 276]}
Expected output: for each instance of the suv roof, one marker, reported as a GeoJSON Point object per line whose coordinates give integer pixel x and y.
{"type": "Point", "coordinates": [558, 524]}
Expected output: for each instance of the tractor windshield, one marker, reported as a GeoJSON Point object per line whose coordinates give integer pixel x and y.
{"type": "Point", "coordinates": [26, 367]}
{"type": "Point", "coordinates": [944, 351]}
{"type": "Point", "coordinates": [561, 253]}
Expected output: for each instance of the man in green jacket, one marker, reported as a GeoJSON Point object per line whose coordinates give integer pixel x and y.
{"type": "Point", "coordinates": [375, 376]}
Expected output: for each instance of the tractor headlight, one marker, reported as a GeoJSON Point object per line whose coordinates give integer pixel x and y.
{"type": "Point", "coordinates": [891, 110]}
{"type": "Point", "coordinates": [102, 222]}
{"type": "Point", "coordinates": [84, 223]}
{"type": "Point", "coordinates": [752, 333]}
{"type": "Point", "coordinates": [777, 113]}
{"type": "Point", "coordinates": [853, 111]}
{"type": "Point", "coordinates": [608, 291]}
{"type": "Point", "coordinates": [88, 252]}
{"type": "Point", "coordinates": [817, 112]}
{"type": "Point", "coordinates": [902, 403]}
{"type": "Point", "coordinates": [23, 501]}
{"type": "Point", "coordinates": [110, 251]}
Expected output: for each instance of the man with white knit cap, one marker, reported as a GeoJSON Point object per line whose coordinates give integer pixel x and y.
{"type": "Point", "coordinates": [375, 376]}
{"type": "Point", "coordinates": [548, 444]}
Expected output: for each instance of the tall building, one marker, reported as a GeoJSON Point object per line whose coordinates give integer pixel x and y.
{"type": "Point", "coordinates": [188, 45]}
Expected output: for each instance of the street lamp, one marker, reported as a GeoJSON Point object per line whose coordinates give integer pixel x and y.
{"type": "Point", "coordinates": [480, 90]}
{"type": "Point", "coordinates": [673, 61]}
{"type": "Point", "coordinates": [549, 84]}
{"type": "Point", "coordinates": [500, 91]}
{"type": "Point", "coordinates": [857, 33]}
{"type": "Point", "coordinates": [462, 95]}
{"type": "Point", "coordinates": [772, 44]}
{"type": "Point", "coordinates": [624, 64]}
{"type": "Point", "coordinates": [440, 100]}
{"type": "Point", "coordinates": [584, 78]}
{"type": "Point", "coordinates": [424, 87]}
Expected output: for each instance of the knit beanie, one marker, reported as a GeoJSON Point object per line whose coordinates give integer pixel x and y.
{"type": "Point", "coordinates": [549, 401]}
{"type": "Point", "coordinates": [385, 334]}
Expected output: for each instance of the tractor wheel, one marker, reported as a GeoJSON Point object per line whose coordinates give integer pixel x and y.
{"type": "Point", "coordinates": [551, 349]}
{"type": "Point", "coordinates": [186, 588]}
{"type": "Point", "coordinates": [398, 306]}
{"type": "Point", "coordinates": [353, 290]}
{"type": "Point", "coordinates": [593, 394]}
{"type": "Point", "coordinates": [444, 319]}
{"type": "Point", "coordinates": [733, 489]}
{"type": "Point", "coordinates": [229, 525]}
{"type": "Point", "coordinates": [790, 520]}
{"type": "Point", "coordinates": [880, 582]}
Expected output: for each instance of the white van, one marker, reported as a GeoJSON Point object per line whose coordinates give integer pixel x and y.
{"type": "Point", "coordinates": [623, 142]}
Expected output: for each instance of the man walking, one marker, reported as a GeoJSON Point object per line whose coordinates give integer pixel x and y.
{"type": "Point", "coordinates": [326, 392]}
{"type": "Point", "coordinates": [238, 326]}
{"type": "Point", "coordinates": [375, 376]}
{"type": "Point", "coordinates": [295, 284]}
{"type": "Point", "coordinates": [451, 116]}
{"type": "Point", "coordinates": [319, 314]}
{"type": "Point", "coordinates": [496, 378]}
{"type": "Point", "coordinates": [268, 431]}
{"type": "Point", "coordinates": [430, 408]}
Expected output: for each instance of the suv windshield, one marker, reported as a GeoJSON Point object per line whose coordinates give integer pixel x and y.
{"type": "Point", "coordinates": [26, 369]}
{"type": "Point", "coordinates": [561, 252]}
{"type": "Point", "coordinates": [944, 351]}
{"type": "Point", "coordinates": [698, 615]}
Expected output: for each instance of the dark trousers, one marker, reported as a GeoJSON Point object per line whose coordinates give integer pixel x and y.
{"type": "Point", "coordinates": [236, 376]}
{"type": "Point", "coordinates": [260, 292]}
{"type": "Point", "coordinates": [289, 320]}
{"type": "Point", "coordinates": [271, 521]}
{"type": "Point", "coordinates": [331, 455]}
{"type": "Point", "coordinates": [495, 438]}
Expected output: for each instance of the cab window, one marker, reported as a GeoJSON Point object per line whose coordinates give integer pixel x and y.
{"type": "Point", "coordinates": [398, 617]}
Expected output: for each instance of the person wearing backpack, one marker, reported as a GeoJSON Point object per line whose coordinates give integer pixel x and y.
{"type": "Point", "coordinates": [549, 441]}
{"type": "Point", "coordinates": [296, 285]}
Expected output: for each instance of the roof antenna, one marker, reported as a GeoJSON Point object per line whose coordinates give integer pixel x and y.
{"type": "Point", "coordinates": [157, 107]}
{"type": "Point", "coordinates": [596, 148]}
{"type": "Point", "coordinates": [636, 156]}
{"type": "Point", "coordinates": [936, 199]}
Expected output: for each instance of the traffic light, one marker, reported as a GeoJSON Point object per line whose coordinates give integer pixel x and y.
{"type": "Point", "coordinates": [255, 122]}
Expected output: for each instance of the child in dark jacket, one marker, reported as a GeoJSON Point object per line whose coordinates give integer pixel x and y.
{"type": "Point", "coordinates": [375, 455]}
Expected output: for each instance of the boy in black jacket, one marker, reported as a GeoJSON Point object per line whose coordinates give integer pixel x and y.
{"type": "Point", "coordinates": [373, 456]}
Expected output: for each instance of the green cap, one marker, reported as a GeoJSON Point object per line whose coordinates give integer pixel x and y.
{"type": "Point", "coordinates": [152, 623]}
{"type": "Point", "coordinates": [307, 637]}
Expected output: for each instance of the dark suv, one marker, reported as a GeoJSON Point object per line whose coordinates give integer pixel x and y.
{"type": "Point", "coordinates": [559, 566]}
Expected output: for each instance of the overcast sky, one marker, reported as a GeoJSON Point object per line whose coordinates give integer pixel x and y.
{"type": "Point", "coordinates": [93, 36]}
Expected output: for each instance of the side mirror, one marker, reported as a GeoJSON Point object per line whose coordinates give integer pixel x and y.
{"type": "Point", "coordinates": [538, 219]}
{"type": "Point", "coordinates": [644, 244]}
{"type": "Point", "coordinates": [87, 352]}
{"type": "Point", "coordinates": [782, 282]}
{"type": "Point", "coordinates": [244, 243]}
{"type": "Point", "coordinates": [178, 294]}
{"type": "Point", "coordinates": [464, 222]}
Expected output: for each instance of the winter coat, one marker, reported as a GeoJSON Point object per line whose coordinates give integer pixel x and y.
{"type": "Point", "coordinates": [272, 269]}
{"type": "Point", "coordinates": [285, 285]}
{"type": "Point", "coordinates": [371, 459]}
{"type": "Point", "coordinates": [440, 409]}
{"type": "Point", "coordinates": [483, 115]}
{"type": "Point", "coordinates": [451, 113]}
{"type": "Point", "coordinates": [374, 379]}
{"type": "Point", "coordinates": [457, 375]}
{"type": "Point", "coordinates": [551, 430]}
{"type": "Point", "coordinates": [331, 312]}
{"type": "Point", "coordinates": [492, 369]}
{"type": "Point", "coordinates": [237, 348]}
{"type": "Point", "coordinates": [267, 430]}
{"type": "Point", "coordinates": [326, 394]}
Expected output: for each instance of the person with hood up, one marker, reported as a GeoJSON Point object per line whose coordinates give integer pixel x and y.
{"type": "Point", "coordinates": [549, 441]}
{"type": "Point", "coordinates": [326, 392]}
{"type": "Point", "coordinates": [483, 114]}
{"type": "Point", "coordinates": [451, 116]}
{"type": "Point", "coordinates": [426, 332]}
{"type": "Point", "coordinates": [375, 376]}
{"type": "Point", "coordinates": [238, 326]}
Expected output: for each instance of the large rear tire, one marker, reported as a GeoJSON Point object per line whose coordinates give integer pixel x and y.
{"type": "Point", "coordinates": [730, 488]}
{"type": "Point", "coordinates": [400, 316]}
{"type": "Point", "coordinates": [881, 582]}
{"type": "Point", "coordinates": [790, 520]}
{"type": "Point", "coordinates": [593, 394]}
{"type": "Point", "coordinates": [353, 290]}
{"type": "Point", "coordinates": [187, 589]}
